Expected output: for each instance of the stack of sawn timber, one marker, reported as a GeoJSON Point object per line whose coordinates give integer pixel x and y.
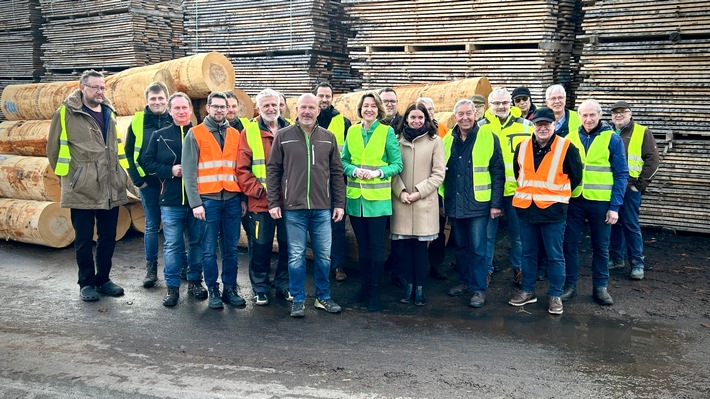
{"type": "Point", "coordinates": [20, 49]}
{"type": "Point", "coordinates": [109, 35]}
{"type": "Point", "coordinates": [287, 46]}
{"type": "Point", "coordinates": [513, 43]}
{"type": "Point", "coordinates": [654, 55]}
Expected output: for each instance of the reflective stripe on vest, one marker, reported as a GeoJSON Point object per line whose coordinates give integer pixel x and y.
{"type": "Point", "coordinates": [258, 159]}
{"type": "Point", "coordinates": [512, 133]}
{"type": "Point", "coordinates": [216, 167]}
{"type": "Point", "coordinates": [634, 152]}
{"type": "Point", "coordinates": [368, 157]}
{"type": "Point", "coordinates": [64, 158]}
{"type": "Point", "coordinates": [480, 159]}
{"type": "Point", "coordinates": [337, 127]}
{"type": "Point", "coordinates": [137, 128]}
{"type": "Point", "coordinates": [597, 178]}
{"type": "Point", "coordinates": [548, 184]}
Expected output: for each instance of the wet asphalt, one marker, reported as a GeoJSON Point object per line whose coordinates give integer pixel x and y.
{"type": "Point", "coordinates": [53, 345]}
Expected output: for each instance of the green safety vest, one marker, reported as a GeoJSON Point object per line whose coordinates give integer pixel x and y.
{"type": "Point", "coordinates": [635, 156]}
{"type": "Point", "coordinates": [337, 127]}
{"type": "Point", "coordinates": [258, 159]}
{"type": "Point", "coordinates": [137, 128]}
{"type": "Point", "coordinates": [480, 159]}
{"type": "Point", "coordinates": [368, 157]}
{"type": "Point", "coordinates": [64, 158]}
{"type": "Point", "coordinates": [597, 177]}
{"type": "Point", "coordinates": [510, 134]}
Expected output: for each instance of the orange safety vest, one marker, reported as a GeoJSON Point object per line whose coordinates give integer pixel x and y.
{"type": "Point", "coordinates": [216, 167]}
{"type": "Point", "coordinates": [548, 184]}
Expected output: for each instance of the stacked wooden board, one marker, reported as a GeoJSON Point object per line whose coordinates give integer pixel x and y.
{"type": "Point", "coordinates": [288, 46]}
{"type": "Point", "coordinates": [109, 35]}
{"type": "Point", "coordinates": [20, 48]}
{"type": "Point", "coordinates": [513, 43]}
{"type": "Point", "coordinates": [653, 55]}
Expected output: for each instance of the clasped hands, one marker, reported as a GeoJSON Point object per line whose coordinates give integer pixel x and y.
{"type": "Point", "coordinates": [365, 174]}
{"type": "Point", "coordinates": [408, 198]}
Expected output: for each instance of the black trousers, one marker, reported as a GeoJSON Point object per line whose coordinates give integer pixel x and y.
{"type": "Point", "coordinates": [83, 220]}
{"type": "Point", "coordinates": [262, 227]}
{"type": "Point", "coordinates": [413, 254]}
{"type": "Point", "coordinates": [370, 236]}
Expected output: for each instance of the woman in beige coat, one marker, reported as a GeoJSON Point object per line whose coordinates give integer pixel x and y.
{"type": "Point", "coordinates": [415, 206]}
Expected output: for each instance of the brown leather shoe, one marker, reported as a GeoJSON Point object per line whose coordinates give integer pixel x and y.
{"type": "Point", "coordinates": [518, 277]}
{"type": "Point", "coordinates": [340, 275]}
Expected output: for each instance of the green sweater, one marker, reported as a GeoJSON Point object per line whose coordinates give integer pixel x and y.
{"type": "Point", "coordinates": [360, 206]}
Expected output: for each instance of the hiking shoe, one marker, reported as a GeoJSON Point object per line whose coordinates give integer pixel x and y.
{"type": "Point", "coordinates": [568, 292]}
{"type": "Point", "coordinates": [298, 309]}
{"type": "Point", "coordinates": [286, 293]}
{"type": "Point", "coordinates": [215, 298]}
{"type": "Point", "coordinates": [261, 299]}
{"type": "Point", "coordinates": [110, 289]}
{"type": "Point", "coordinates": [518, 277]}
{"type": "Point", "coordinates": [613, 265]}
{"type": "Point", "coordinates": [636, 273]}
{"type": "Point", "coordinates": [555, 306]}
{"type": "Point", "coordinates": [477, 300]}
{"type": "Point", "coordinates": [340, 274]}
{"type": "Point", "coordinates": [231, 297]}
{"type": "Point", "coordinates": [523, 298]}
{"type": "Point", "coordinates": [171, 298]}
{"type": "Point", "coordinates": [88, 293]}
{"type": "Point", "coordinates": [328, 305]}
{"type": "Point", "coordinates": [151, 274]}
{"type": "Point", "coordinates": [196, 289]}
{"type": "Point", "coordinates": [459, 290]}
{"type": "Point", "coordinates": [601, 295]}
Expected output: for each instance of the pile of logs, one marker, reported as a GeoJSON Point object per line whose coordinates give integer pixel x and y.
{"type": "Point", "coordinates": [288, 46]}
{"type": "Point", "coordinates": [109, 35]}
{"type": "Point", "coordinates": [513, 43]}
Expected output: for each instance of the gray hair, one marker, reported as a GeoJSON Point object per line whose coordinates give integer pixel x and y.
{"type": "Point", "coordinates": [267, 93]}
{"type": "Point", "coordinates": [464, 101]}
{"type": "Point", "coordinates": [425, 101]}
{"type": "Point", "coordinates": [593, 102]}
{"type": "Point", "coordinates": [90, 73]}
{"type": "Point", "coordinates": [555, 89]}
{"type": "Point", "coordinates": [499, 92]}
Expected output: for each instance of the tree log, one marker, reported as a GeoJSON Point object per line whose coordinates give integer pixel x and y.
{"type": "Point", "coordinates": [28, 178]}
{"type": "Point", "coordinates": [35, 222]}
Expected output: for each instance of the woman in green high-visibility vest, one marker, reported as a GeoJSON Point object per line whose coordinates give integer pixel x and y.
{"type": "Point", "coordinates": [370, 158]}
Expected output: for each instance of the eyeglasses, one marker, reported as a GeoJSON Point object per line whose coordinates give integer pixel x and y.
{"type": "Point", "coordinates": [499, 103]}
{"type": "Point", "coordinates": [218, 107]}
{"type": "Point", "coordinates": [389, 101]}
{"type": "Point", "coordinates": [626, 111]}
{"type": "Point", "coordinates": [521, 99]}
{"type": "Point", "coordinates": [555, 99]}
{"type": "Point", "coordinates": [97, 88]}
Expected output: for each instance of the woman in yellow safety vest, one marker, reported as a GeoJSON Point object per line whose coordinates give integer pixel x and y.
{"type": "Point", "coordinates": [370, 158]}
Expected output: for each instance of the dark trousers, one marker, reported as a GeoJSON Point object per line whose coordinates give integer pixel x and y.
{"type": "Point", "coordinates": [83, 222]}
{"type": "Point", "coordinates": [413, 255]}
{"type": "Point", "coordinates": [262, 227]}
{"type": "Point", "coordinates": [370, 236]}
{"type": "Point", "coordinates": [438, 246]}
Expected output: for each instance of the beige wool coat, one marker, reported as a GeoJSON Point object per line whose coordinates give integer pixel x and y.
{"type": "Point", "coordinates": [423, 171]}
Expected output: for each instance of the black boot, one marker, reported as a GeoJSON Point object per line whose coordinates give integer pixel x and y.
{"type": "Point", "coordinates": [171, 299]}
{"type": "Point", "coordinates": [376, 280]}
{"type": "Point", "coordinates": [419, 298]}
{"type": "Point", "coordinates": [151, 274]}
{"type": "Point", "coordinates": [362, 294]}
{"type": "Point", "coordinates": [407, 297]}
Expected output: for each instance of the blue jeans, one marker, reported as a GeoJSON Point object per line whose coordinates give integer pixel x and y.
{"type": "Point", "coordinates": [516, 246]}
{"type": "Point", "coordinates": [471, 251]}
{"type": "Point", "coordinates": [222, 217]}
{"type": "Point", "coordinates": [178, 223]}
{"type": "Point", "coordinates": [263, 228]}
{"type": "Point", "coordinates": [595, 212]}
{"type": "Point", "coordinates": [299, 224]}
{"type": "Point", "coordinates": [551, 236]}
{"type": "Point", "coordinates": [627, 232]}
{"type": "Point", "coordinates": [150, 199]}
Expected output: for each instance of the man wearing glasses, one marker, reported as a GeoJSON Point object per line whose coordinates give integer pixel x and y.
{"type": "Point", "coordinates": [392, 116]}
{"type": "Point", "coordinates": [209, 171]}
{"type": "Point", "coordinates": [85, 151]}
{"type": "Point", "coordinates": [642, 157]}
{"type": "Point", "coordinates": [506, 123]}
{"type": "Point", "coordinates": [566, 120]}
{"type": "Point", "coordinates": [522, 100]}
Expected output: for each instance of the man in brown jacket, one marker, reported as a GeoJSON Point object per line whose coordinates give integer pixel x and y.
{"type": "Point", "coordinates": [303, 172]}
{"type": "Point", "coordinates": [84, 150]}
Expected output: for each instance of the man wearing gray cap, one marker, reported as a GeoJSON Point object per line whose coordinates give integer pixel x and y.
{"type": "Point", "coordinates": [547, 169]}
{"type": "Point", "coordinates": [480, 103]}
{"type": "Point", "coordinates": [643, 159]}
{"type": "Point", "coordinates": [523, 100]}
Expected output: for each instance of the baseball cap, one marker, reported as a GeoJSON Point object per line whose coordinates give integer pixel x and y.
{"type": "Point", "coordinates": [521, 91]}
{"type": "Point", "coordinates": [543, 114]}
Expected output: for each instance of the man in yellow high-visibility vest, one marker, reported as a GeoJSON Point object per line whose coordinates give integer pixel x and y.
{"type": "Point", "coordinates": [643, 159]}
{"type": "Point", "coordinates": [86, 152]}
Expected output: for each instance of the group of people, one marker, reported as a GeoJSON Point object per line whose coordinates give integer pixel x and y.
{"type": "Point", "coordinates": [546, 170]}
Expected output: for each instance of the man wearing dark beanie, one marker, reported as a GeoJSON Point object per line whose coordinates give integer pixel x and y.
{"type": "Point", "coordinates": [522, 100]}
